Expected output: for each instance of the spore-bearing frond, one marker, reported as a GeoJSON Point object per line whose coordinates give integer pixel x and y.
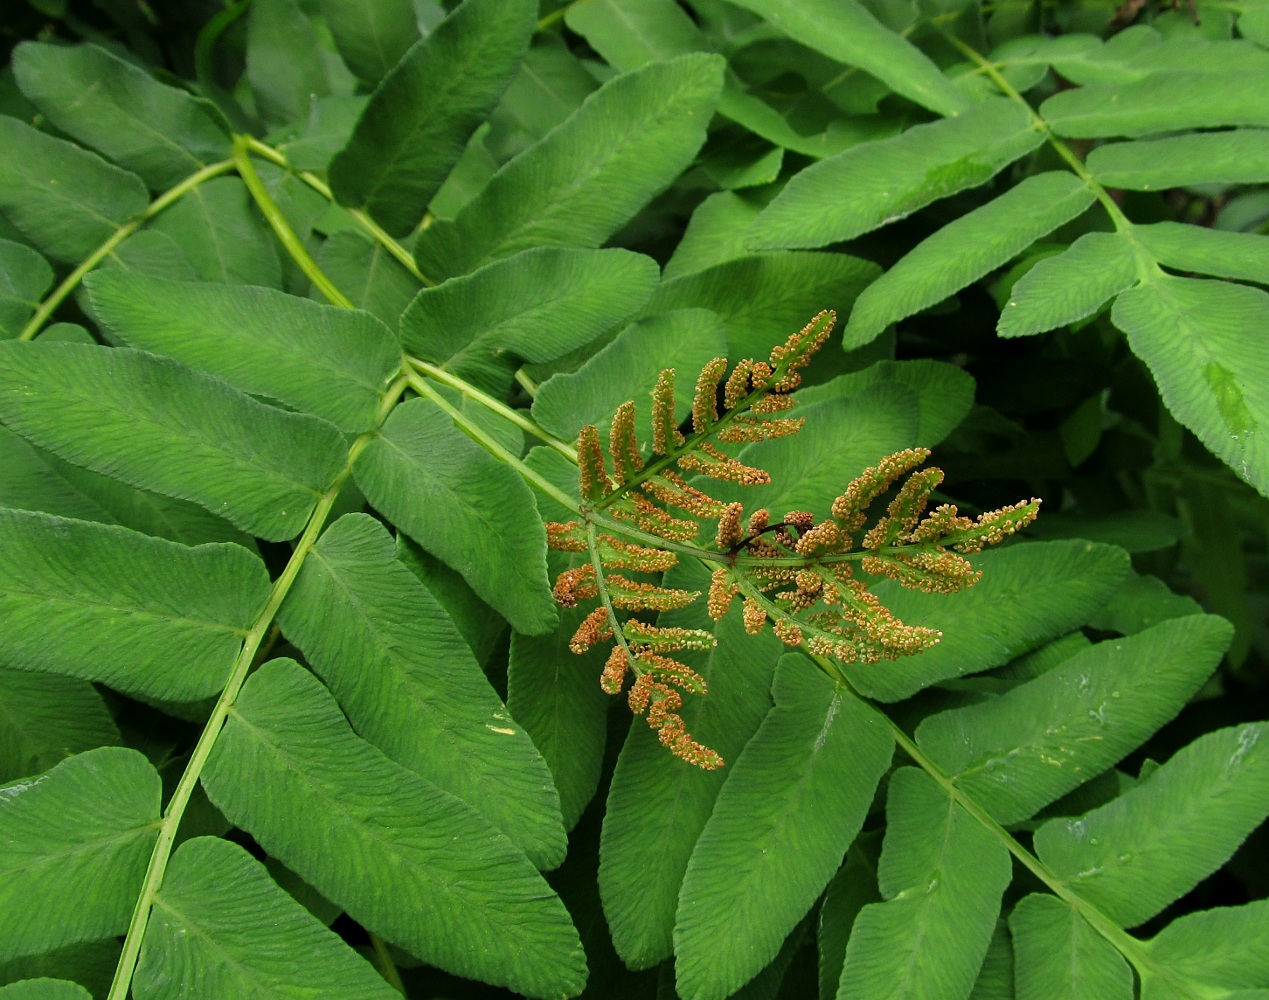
{"type": "Point", "coordinates": [796, 572]}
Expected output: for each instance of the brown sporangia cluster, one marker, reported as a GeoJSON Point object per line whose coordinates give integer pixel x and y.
{"type": "Point", "coordinates": [796, 573]}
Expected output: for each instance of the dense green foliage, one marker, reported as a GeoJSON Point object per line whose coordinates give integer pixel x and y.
{"type": "Point", "coordinates": [308, 309]}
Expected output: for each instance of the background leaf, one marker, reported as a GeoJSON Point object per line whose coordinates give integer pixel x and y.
{"type": "Point", "coordinates": [421, 116]}
{"type": "Point", "coordinates": [1070, 286]}
{"type": "Point", "coordinates": [1060, 957]}
{"type": "Point", "coordinates": [45, 718]}
{"type": "Point", "coordinates": [588, 177]}
{"type": "Point", "coordinates": [24, 277]}
{"type": "Point", "coordinates": [371, 35]}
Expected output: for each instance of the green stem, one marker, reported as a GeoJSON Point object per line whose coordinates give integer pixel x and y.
{"type": "Point", "coordinates": [72, 280]}
{"type": "Point", "coordinates": [592, 546]}
{"type": "Point", "coordinates": [372, 228]}
{"type": "Point", "coordinates": [281, 228]}
{"type": "Point", "coordinates": [477, 434]}
{"type": "Point", "coordinates": [1147, 269]}
{"type": "Point", "coordinates": [175, 810]}
{"type": "Point", "coordinates": [387, 967]}
{"type": "Point", "coordinates": [488, 402]}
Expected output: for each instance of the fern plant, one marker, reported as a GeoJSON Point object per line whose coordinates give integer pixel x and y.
{"type": "Point", "coordinates": [313, 608]}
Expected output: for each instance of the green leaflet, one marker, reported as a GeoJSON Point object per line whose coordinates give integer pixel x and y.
{"type": "Point", "coordinates": [535, 306]}
{"type": "Point", "coordinates": [1142, 601]}
{"type": "Point", "coordinates": [842, 437]}
{"type": "Point", "coordinates": [1201, 342]}
{"type": "Point", "coordinates": [1020, 751]}
{"type": "Point", "coordinates": [76, 841]}
{"type": "Point", "coordinates": [44, 989]}
{"type": "Point", "coordinates": [783, 291]}
{"type": "Point", "coordinates": [36, 480]}
{"type": "Point", "coordinates": [791, 805]}
{"type": "Point", "coordinates": [944, 392]}
{"type": "Point", "coordinates": [284, 60]}
{"type": "Point", "coordinates": [632, 33]}
{"type": "Point", "coordinates": [1070, 286]}
{"type": "Point", "coordinates": [1135, 855]}
{"type": "Point", "coordinates": [627, 368]}
{"type": "Point", "coordinates": [368, 275]}
{"type": "Point", "coordinates": [160, 133]}
{"type": "Point", "coordinates": [47, 718]}
{"type": "Point", "coordinates": [480, 627]}
{"type": "Point", "coordinates": [405, 678]}
{"type": "Point", "coordinates": [1241, 256]}
{"type": "Point", "coordinates": [657, 807]}
{"type": "Point", "coordinates": [333, 363]}
{"type": "Point", "coordinates": [589, 176]}
{"type": "Point", "coordinates": [1218, 947]}
{"type": "Point", "coordinates": [24, 277]}
{"type": "Point", "coordinates": [1005, 614]}
{"type": "Point", "coordinates": [64, 199]}
{"type": "Point", "coordinates": [219, 233]}
{"type": "Point", "coordinates": [1060, 957]}
{"type": "Point", "coordinates": [942, 874]}
{"type": "Point", "coordinates": [464, 506]}
{"type": "Point", "coordinates": [91, 964]}
{"type": "Point", "coordinates": [967, 249]}
{"type": "Point", "coordinates": [849, 33]}
{"type": "Point", "coordinates": [1162, 102]}
{"type": "Point", "coordinates": [219, 912]}
{"type": "Point", "coordinates": [404, 858]}
{"type": "Point", "coordinates": [141, 614]}
{"type": "Point", "coordinates": [550, 86]}
{"type": "Point", "coordinates": [995, 978]}
{"type": "Point", "coordinates": [371, 35]}
{"type": "Point", "coordinates": [421, 116]}
{"type": "Point", "coordinates": [158, 425]}
{"type": "Point", "coordinates": [551, 691]}
{"type": "Point", "coordinates": [716, 232]}
{"type": "Point", "coordinates": [876, 183]}
{"type": "Point", "coordinates": [1238, 157]}
{"type": "Point", "coordinates": [852, 888]}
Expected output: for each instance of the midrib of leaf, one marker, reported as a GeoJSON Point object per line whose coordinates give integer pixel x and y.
{"type": "Point", "coordinates": [224, 704]}
{"type": "Point", "coordinates": [151, 616]}
{"type": "Point", "coordinates": [77, 849]}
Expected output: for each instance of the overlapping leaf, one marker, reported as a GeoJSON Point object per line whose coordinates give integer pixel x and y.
{"type": "Point", "coordinates": [65, 200]}
{"type": "Point", "coordinates": [1069, 286]}
{"type": "Point", "coordinates": [47, 718]}
{"type": "Point", "coordinates": [877, 182]}
{"type": "Point", "coordinates": [535, 306]}
{"type": "Point", "coordinates": [941, 875]}
{"type": "Point", "coordinates": [1060, 957]}
{"type": "Point", "coordinates": [1135, 855]}
{"type": "Point", "coordinates": [421, 116]}
{"type": "Point", "coordinates": [408, 684]}
{"type": "Point", "coordinates": [219, 233]}
{"type": "Point", "coordinates": [463, 505]}
{"type": "Point", "coordinates": [589, 176]}
{"type": "Point", "coordinates": [402, 857]}
{"type": "Point", "coordinates": [24, 277]}
{"type": "Point", "coordinates": [967, 249]}
{"type": "Point", "coordinates": [160, 133]}
{"type": "Point", "coordinates": [219, 912]}
{"type": "Point", "coordinates": [331, 362]}
{"type": "Point", "coordinates": [791, 805]}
